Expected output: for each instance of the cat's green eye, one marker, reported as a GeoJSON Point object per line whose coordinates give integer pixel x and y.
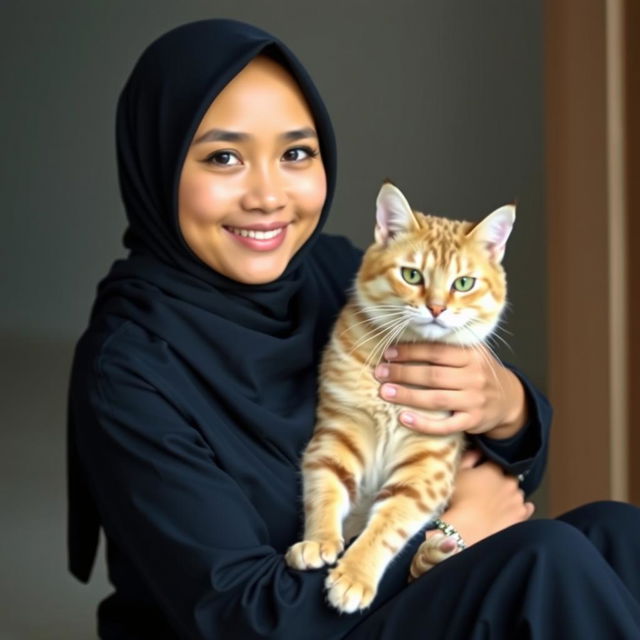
{"type": "Point", "coordinates": [412, 276]}
{"type": "Point", "coordinates": [464, 283]}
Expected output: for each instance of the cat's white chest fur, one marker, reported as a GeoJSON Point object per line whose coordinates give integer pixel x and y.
{"type": "Point", "coordinates": [381, 433]}
{"type": "Point", "coordinates": [390, 436]}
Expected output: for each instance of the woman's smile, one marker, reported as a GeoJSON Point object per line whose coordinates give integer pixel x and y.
{"type": "Point", "coordinates": [257, 237]}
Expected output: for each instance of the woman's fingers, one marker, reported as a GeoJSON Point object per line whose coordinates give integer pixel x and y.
{"type": "Point", "coordinates": [433, 352]}
{"type": "Point", "coordinates": [430, 399]}
{"type": "Point", "coordinates": [421, 375]}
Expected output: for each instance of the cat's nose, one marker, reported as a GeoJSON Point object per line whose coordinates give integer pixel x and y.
{"type": "Point", "coordinates": [436, 309]}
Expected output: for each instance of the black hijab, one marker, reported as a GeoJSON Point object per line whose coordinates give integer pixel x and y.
{"type": "Point", "coordinates": [253, 348]}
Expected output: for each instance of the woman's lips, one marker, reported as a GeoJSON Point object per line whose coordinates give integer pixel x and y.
{"type": "Point", "coordinates": [259, 237]}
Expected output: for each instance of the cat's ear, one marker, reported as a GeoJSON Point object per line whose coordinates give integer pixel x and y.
{"type": "Point", "coordinates": [494, 230]}
{"type": "Point", "coordinates": [393, 214]}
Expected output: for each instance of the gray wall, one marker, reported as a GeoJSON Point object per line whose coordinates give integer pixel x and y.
{"type": "Point", "coordinates": [443, 97]}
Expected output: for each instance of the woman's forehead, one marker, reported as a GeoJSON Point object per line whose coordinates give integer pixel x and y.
{"type": "Point", "coordinates": [262, 94]}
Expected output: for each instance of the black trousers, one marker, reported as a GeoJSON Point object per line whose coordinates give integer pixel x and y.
{"type": "Point", "coordinates": [573, 578]}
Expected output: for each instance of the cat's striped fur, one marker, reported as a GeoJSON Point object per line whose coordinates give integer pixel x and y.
{"type": "Point", "coordinates": [364, 472]}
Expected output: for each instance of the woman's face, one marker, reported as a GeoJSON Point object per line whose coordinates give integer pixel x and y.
{"type": "Point", "coordinates": [253, 184]}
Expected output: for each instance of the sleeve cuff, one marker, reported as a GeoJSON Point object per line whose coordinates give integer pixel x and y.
{"type": "Point", "coordinates": [518, 453]}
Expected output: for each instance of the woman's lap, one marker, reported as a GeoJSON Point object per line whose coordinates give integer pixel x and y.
{"type": "Point", "coordinates": [614, 529]}
{"type": "Point", "coordinates": [573, 577]}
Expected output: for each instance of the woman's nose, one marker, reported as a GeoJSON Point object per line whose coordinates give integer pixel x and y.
{"type": "Point", "coordinates": [265, 191]}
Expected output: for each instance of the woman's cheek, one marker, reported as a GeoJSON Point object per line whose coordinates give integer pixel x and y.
{"type": "Point", "coordinates": [206, 201]}
{"type": "Point", "coordinates": [312, 193]}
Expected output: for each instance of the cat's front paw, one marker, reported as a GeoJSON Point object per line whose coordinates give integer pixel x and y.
{"type": "Point", "coordinates": [432, 551]}
{"type": "Point", "coordinates": [349, 588]}
{"type": "Point", "coordinates": [313, 554]}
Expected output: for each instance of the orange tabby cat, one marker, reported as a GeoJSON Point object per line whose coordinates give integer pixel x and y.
{"type": "Point", "coordinates": [424, 278]}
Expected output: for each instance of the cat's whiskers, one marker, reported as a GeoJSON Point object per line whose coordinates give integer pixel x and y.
{"type": "Point", "coordinates": [385, 340]}
{"type": "Point", "coordinates": [484, 350]}
{"type": "Point", "coordinates": [485, 346]}
{"type": "Point", "coordinates": [375, 332]}
{"type": "Point", "coordinates": [500, 328]}
{"type": "Point", "coordinates": [496, 336]}
{"type": "Point", "coordinates": [372, 310]}
{"type": "Point", "coordinates": [382, 346]}
{"type": "Point", "coordinates": [370, 320]}
{"type": "Point", "coordinates": [386, 333]}
{"type": "Point", "coordinates": [377, 353]}
{"type": "Point", "coordinates": [504, 329]}
{"type": "Point", "coordinates": [384, 306]}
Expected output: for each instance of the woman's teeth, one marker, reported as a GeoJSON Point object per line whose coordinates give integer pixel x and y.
{"type": "Point", "coordinates": [257, 235]}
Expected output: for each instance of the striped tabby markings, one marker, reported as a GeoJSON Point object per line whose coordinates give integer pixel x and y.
{"type": "Point", "coordinates": [348, 343]}
{"type": "Point", "coordinates": [353, 582]}
{"type": "Point", "coordinates": [329, 489]}
{"type": "Point", "coordinates": [398, 513]}
{"type": "Point", "coordinates": [421, 474]}
{"type": "Point", "coordinates": [325, 504]}
{"type": "Point", "coordinates": [342, 437]}
{"type": "Point", "coordinates": [392, 490]}
{"type": "Point", "coordinates": [390, 547]}
{"type": "Point", "coordinates": [421, 456]}
{"type": "Point", "coordinates": [344, 475]}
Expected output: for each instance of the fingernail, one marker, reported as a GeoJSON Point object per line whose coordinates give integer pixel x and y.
{"type": "Point", "coordinates": [390, 353]}
{"type": "Point", "coordinates": [389, 391]}
{"type": "Point", "coordinates": [382, 372]}
{"type": "Point", "coordinates": [448, 544]}
{"type": "Point", "coordinates": [407, 418]}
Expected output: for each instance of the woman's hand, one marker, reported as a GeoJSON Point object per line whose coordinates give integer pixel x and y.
{"type": "Point", "coordinates": [484, 396]}
{"type": "Point", "coordinates": [485, 500]}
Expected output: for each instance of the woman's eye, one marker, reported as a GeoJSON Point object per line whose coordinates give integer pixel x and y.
{"type": "Point", "coordinates": [299, 153]}
{"type": "Point", "coordinates": [464, 283]}
{"type": "Point", "coordinates": [223, 159]}
{"type": "Point", "coordinates": [411, 276]}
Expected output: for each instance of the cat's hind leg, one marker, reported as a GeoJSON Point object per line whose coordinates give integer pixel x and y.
{"type": "Point", "coordinates": [436, 548]}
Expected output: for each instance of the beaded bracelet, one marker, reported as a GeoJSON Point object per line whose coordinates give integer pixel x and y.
{"type": "Point", "coordinates": [449, 530]}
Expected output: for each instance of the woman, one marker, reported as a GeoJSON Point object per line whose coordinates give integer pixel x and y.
{"type": "Point", "coordinates": [192, 390]}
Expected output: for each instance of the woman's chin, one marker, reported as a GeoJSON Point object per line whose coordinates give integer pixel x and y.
{"type": "Point", "coordinates": [259, 271]}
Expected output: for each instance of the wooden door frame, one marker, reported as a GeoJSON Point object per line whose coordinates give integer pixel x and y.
{"type": "Point", "coordinates": [589, 234]}
{"type": "Point", "coordinates": [632, 203]}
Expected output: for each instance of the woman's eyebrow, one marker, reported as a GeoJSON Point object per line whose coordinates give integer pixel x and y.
{"type": "Point", "coordinates": [299, 134]}
{"type": "Point", "coordinates": [221, 135]}
{"type": "Point", "coordinates": [224, 135]}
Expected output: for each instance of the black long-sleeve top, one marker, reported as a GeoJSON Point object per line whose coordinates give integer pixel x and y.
{"type": "Point", "coordinates": [198, 516]}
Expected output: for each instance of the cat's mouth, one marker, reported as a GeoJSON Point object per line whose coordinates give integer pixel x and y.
{"type": "Point", "coordinates": [426, 322]}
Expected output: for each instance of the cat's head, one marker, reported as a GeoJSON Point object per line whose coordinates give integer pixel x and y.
{"type": "Point", "coordinates": [430, 278]}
